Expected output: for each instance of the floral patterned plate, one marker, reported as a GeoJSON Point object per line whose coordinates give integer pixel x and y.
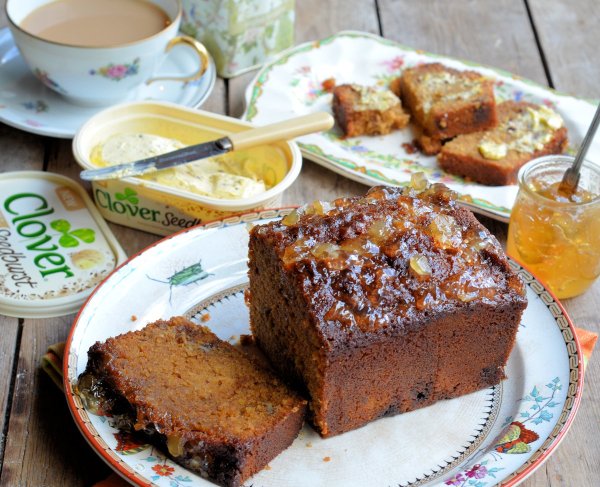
{"type": "Point", "coordinates": [496, 436]}
{"type": "Point", "coordinates": [25, 103]}
{"type": "Point", "coordinates": [292, 85]}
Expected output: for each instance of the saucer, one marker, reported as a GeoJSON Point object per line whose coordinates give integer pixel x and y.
{"type": "Point", "coordinates": [25, 103]}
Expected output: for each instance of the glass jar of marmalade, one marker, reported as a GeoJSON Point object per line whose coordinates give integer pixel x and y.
{"type": "Point", "coordinates": [557, 235]}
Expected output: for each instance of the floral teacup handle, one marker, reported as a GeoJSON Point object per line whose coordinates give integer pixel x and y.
{"type": "Point", "coordinates": [198, 48]}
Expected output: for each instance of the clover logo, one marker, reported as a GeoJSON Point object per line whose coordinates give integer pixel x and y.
{"type": "Point", "coordinates": [71, 238]}
{"type": "Point", "coordinates": [128, 194]}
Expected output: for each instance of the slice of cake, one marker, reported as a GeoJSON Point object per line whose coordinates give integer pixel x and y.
{"type": "Point", "coordinates": [445, 102]}
{"type": "Point", "coordinates": [382, 304]}
{"type": "Point", "coordinates": [364, 110]}
{"type": "Point", "coordinates": [213, 409]}
{"type": "Point", "coordinates": [525, 131]}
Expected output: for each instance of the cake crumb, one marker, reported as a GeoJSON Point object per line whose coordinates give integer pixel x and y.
{"type": "Point", "coordinates": [133, 318]}
{"type": "Point", "coordinates": [309, 445]}
{"type": "Point", "coordinates": [268, 467]}
{"type": "Point", "coordinates": [327, 459]}
{"type": "Point", "coordinates": [205, 317]}
{"type": "Point", "coordinates": [409, 147]}
{"type": "Point", "coordinates": [328, 85]}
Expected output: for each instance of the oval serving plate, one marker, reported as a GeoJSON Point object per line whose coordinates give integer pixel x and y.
{"type": "Point", "coordinates": [496, 436]}
{"type": "Point", "coordinates": [291, 85]}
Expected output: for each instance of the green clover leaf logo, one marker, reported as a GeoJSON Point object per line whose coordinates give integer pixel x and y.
{"type": "Point", "coordinates": [70, 238]}
{"type": "Point", "coordinates": [128, 194]}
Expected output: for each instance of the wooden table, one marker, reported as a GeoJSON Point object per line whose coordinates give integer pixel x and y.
{"type": "Point", "coordinates": [553, 42]}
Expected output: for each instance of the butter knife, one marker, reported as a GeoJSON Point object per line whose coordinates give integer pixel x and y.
{"type": "Point", "coordinates": [288, 129]}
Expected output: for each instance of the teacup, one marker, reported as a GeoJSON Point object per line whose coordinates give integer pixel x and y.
{"type": "Point", "coordinates": [97, 76]}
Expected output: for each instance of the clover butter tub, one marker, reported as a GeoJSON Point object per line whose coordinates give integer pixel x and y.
{"type": "Point", "coordinates": [162, 209]}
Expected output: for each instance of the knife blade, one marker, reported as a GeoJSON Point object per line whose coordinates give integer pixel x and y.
{"type": "Point", "coordinates": [284, 130]}
{"type": "Point", "coordinates": [164, 161]}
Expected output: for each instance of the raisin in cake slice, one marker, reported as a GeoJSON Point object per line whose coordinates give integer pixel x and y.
{"type": "Point", "coordinates": [213, 409]}
{"type": "Point", "coordinates": [525, 131]}
{"type": "Point", "coordinates": [364, 110]}
{"type": "Point", "coordinates": [445, 102]}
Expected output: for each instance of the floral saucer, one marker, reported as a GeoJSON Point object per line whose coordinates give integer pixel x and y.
{"type": "Point", "coordinates": [25, 103]}
{"type": "Point", "coordinates": [496, 436]}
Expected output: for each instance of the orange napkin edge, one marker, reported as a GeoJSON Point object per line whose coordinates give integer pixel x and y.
{"type": "Point", "coordinates": [587, 340]}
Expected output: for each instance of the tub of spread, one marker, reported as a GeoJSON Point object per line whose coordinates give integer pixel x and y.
{"type": "Point", "coordinates": [167, 201]}
{"type": "Point", "coordinates": [54, 245]}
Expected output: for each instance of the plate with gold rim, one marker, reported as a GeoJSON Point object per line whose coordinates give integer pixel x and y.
{"type": "Point", "coordinates": [496, 436]}
{"type": "Point", "coordinates": [291, 85]}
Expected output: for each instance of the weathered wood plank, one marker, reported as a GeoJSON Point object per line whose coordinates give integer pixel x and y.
{"type": "Point", "coordinates": [217, 101]}
{"type": "Point", "coordinates": [569, 37]}
{"type": "Point", "coordinates": [492, 32]}
{"type": "Point", "coordinates": [20, 151]}
{"type": "Point", "coordinates": [43, 444]}
{"type": "Point", "coordinates": [8, 348]}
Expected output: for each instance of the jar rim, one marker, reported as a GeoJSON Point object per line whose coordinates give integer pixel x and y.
{"type": "Point", "coordinates": [556, 159]}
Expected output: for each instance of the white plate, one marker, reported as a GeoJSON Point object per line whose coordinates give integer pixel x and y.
{"type": "Point", "coordinates": [25, 103]}
{"type": "Point", "coordinates": [291, 86]}
{"type": "Point", "coordinates": [460, 439]}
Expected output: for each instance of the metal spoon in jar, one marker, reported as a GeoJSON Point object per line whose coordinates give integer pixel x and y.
{"type": "Point", "coordinates": [570, 180]}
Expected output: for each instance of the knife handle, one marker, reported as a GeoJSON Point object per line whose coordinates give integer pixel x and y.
{"type": "Point", "coordinates": [288, 129]}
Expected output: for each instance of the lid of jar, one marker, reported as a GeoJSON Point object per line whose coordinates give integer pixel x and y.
{"type": "Point", "coordinates": [54, 245]}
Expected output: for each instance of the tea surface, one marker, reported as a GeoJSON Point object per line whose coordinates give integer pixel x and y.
{"type": "Point", "coordinates": [94, 23]}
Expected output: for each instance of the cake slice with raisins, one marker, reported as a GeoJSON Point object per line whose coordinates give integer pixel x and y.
{"type": "Point", "coordinates": [494, 157]}
{"type": "Point", "coordinates": [382, 304]}
{"type": "Point", "coordinates": [446, 102]}
{"type": "Point", "coordinates": [364, 110]}
{"type": "Point", "coordinates": [212, 408]}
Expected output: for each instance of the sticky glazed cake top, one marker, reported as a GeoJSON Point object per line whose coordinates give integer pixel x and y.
{"type": "Point", "coordinates": [394, 258]}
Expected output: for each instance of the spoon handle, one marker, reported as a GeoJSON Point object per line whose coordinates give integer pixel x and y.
{"type": "Point", "coordinates": [571, 177]}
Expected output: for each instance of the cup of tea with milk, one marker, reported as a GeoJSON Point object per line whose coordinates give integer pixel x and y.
{"type": "Point", "coordinates": [97, 52]}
